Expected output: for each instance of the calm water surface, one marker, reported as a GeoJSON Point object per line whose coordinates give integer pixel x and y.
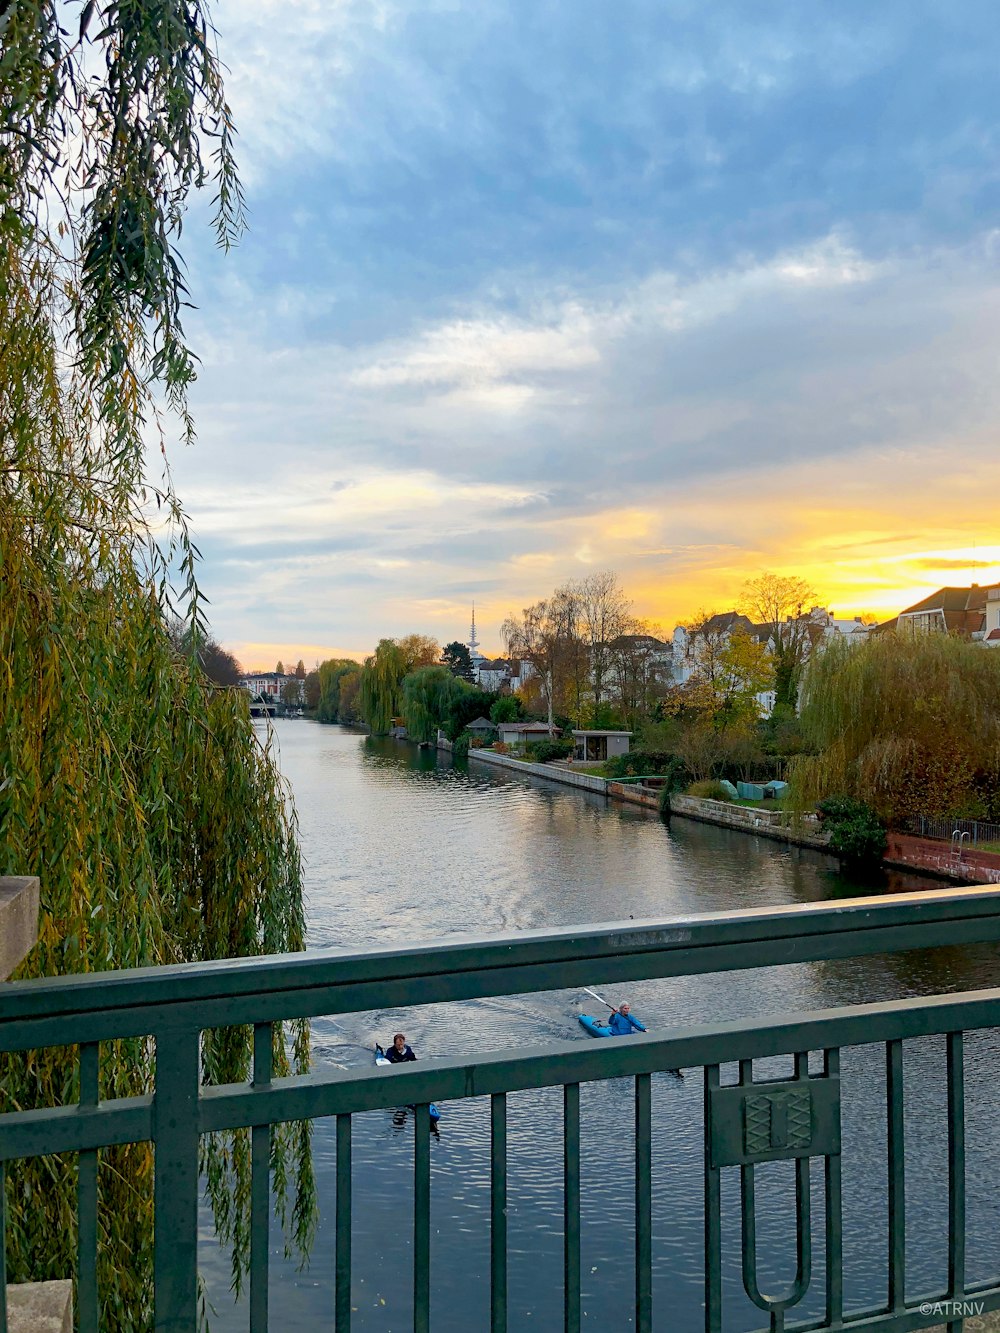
{"type": "Point", "coordinates": [402, 846]}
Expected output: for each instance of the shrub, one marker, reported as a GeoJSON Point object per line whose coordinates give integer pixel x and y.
{"type": "Point", "coordinates": [857, 834]}
{"type": "Point", "coordinates": [460, 746]}
{"type": "Point", "coordinates": [501, 747]}
{"type": "Point", "coordinates": [508, 708]}
{"type": "Point", "coordinates": [542, 752]}
{"type": "Point", "coordinates": [708, 789]}
{"type": "Point", "coordinates": [641, 761]}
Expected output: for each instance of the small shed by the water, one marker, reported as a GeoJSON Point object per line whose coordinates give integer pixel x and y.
{"type": "Point", "coordinates": [518, 734]}
{"type": "Point", "coordinates": [481, 726]}
{"type": "Point", "coordinates": [596, 746]}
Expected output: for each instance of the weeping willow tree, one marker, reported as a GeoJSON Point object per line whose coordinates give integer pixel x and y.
{"type": "Point", "coordinates": [155, 819]}
{"type": "Point", "coordinates": [380, 693]}
{"type": "Point", "coordinates": [430, 695]}
{"type": "Point", "coordinates": [910, 724]}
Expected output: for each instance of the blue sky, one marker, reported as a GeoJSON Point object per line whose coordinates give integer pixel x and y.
{"type": "Point", "coordinates": [530, 289]}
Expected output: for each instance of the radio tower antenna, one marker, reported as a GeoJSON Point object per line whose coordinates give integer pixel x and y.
{"type": "Point", "coordinates": [473, 641]}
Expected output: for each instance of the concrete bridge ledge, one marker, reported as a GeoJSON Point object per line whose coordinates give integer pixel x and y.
{"type": "Point", "coordinates": [18, 920]}
{"type": "Point", "coordinates": [40, 1307]}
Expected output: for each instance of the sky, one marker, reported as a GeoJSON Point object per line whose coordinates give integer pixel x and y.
{"type": "Point", "coordinates": [536, 288]}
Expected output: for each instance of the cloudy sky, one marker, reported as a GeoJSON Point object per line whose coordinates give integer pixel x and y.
{"type": "Point", "coordinates": [539, 287]}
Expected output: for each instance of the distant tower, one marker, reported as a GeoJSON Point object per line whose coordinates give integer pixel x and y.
{"type": "Point", "coordinates": [473, 641]}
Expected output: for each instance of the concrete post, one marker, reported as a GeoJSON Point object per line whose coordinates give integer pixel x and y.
{"type": "Point", "coordinates": [32, 1307]}
{"type": "Point", "coordinates": [18, 920]}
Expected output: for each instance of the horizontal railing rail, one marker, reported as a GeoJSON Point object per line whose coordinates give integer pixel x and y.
{"type": "Point", "coordinates": [978, 831]}
{"type": "Point", "coordinates": [105, 1005]}
{"type": "Point", "coordinates": [795, 1118]}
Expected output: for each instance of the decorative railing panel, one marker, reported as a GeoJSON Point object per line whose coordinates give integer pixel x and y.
{"type": "Point", "coordinates": [751, 1120]}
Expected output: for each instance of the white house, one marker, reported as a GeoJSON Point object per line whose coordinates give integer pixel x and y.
{"type": "Point", "coordinates": [268, 684]}
{"type": "Point", "coordinates": [991, 624]}
{"type": "Point", "coordinates": [493, 673]}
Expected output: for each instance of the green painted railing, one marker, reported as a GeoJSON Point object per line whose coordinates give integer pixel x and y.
{"type": "Point", "coordinates": [746, 1122]}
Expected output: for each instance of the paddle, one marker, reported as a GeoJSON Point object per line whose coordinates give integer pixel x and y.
{"type": "Point", "coordinates": [600, 998]}
{"type": "Point", "coordinates": [678, 1072]}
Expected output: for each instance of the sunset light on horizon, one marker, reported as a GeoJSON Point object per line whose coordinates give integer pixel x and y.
{"type": "Point", "coordinates": [713, 293]}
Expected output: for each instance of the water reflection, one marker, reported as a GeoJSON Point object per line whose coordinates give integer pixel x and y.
{"type": "Point", "coordinates": [402, 845]}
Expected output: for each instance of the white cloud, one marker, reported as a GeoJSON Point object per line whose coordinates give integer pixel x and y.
{"type": "Point", "coordinates": [660, 427]}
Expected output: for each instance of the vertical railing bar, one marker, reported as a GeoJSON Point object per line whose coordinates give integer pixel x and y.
{"type": "Point", "coordinates": [175, 1179]}
{"type": "Point", "coordinates": [422, 1218]}
{"type": "Point", "coordinates": [260, 1185]}
{"type": "Point", "coordinates": [713, 1216]}
{"type": "Point", "coordinates": [342, 1297]}
{"type": "Point", "coordinates": [3, 1246]}
{"type": "Point", "coordinates": [571, 1208]}
{"type": "Point", "coordinates": [643, 1205]}
{"type": "Point", "coordinates": [834, 1214]}
{"type": "Point", "coordinates": [956, 1171]}
{"type": "Point", "coordinates": [896, 1175]}
{"type": "Point", "coordinates": [86, 1199]}
{"type": "Point", "coordinates": [498, 1213]}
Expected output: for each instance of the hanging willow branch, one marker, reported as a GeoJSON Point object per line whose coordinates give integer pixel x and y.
{"type": "Point", "coordinates": [157, 822]}
{"type": "Point", "coordinates": [909, 723]}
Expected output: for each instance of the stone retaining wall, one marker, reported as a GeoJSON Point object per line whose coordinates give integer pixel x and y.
{"type": "Point", "coordinates": [766, 823]}
{"type": "Point", "coordinates": [554, 772]}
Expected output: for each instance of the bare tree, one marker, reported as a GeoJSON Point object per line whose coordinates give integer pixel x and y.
{"type": "Point", "coordinates": [545, 635]}
{"type": "Point", "coordinates": [638, 673]}
{"type": "Point", "coordinates": [605, 613]}
{"type": "Point", "coordinates": [780, 602]}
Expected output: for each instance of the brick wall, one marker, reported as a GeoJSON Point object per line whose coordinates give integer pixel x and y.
{"type": "Point", "coordinates": [937, 858]}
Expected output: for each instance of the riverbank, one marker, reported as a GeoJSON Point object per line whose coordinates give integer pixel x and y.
{"type": "Point", "coordinates": [903, 852]}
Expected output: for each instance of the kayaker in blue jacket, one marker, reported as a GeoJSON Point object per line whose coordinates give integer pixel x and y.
{"type": "Point", "coordinates": [398, 1053]}
{"type": "Point", "coordinates": [621, 1022]}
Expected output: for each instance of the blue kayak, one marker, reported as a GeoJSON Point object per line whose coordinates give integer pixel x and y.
{"type": "Point", "coordinates": [382, 1062]}
{"type": "Point", "coordinates": [598, 1029]}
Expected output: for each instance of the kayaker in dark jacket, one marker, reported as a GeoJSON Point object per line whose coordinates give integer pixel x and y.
{"type": "Point", "coordinates": [621, 1022]}
{"type": "Point", "coordinates": [398, 1053]}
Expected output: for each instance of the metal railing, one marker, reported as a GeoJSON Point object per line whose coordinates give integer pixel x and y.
{"type": "Point", "coordinates": [977, 831]}
{"type": "Point", "coordinates": [747, 1123]}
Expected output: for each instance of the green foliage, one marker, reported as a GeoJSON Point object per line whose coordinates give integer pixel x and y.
{"type": "Point", "coordinates": [460, 748]}
{"type": "Point", "coordinates": [781, 733]}
{"type": "Point", "coordinates": [465, 706]}
{"type": "Point", "coordinates": [708, 789]}
{"type": "Point", "coordinates": [508, 708]}
{"type": "Point", "coordinates": [641, 761]}
{"type": "Point", "coordinates": [543, 752]}
{"type": "Point", "coordinates": [311, 690]}
{"type": "Point", "coordinates": [909, 724]}
{"type": "Point", "coordinates": [457, 658]}
{"type": "Point", "coordinates": [856, 833]}
{"type": "Point", "coordinates": [336, 692]}
{"type": "Point", "coordinates": [431, 697]}
{"type": "Point", "coordinates": [151, 810]}
{"type": "Point", "coordinates": [380, 693]}
{"type": "Point", "coordinates": [605, 717]}
{"type": "Point", "coordinates": [657, 736]}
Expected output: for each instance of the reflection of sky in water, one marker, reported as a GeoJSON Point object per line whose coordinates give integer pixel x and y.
{"type": "Point", "coordinates": [398, 849]}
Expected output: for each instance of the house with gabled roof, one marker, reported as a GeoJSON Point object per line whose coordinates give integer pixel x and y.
{"type": "Point", "coordinates": [950, 610]}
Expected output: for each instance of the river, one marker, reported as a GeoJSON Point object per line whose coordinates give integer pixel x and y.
{"type": "Point", "coordinates": [402, 845]}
